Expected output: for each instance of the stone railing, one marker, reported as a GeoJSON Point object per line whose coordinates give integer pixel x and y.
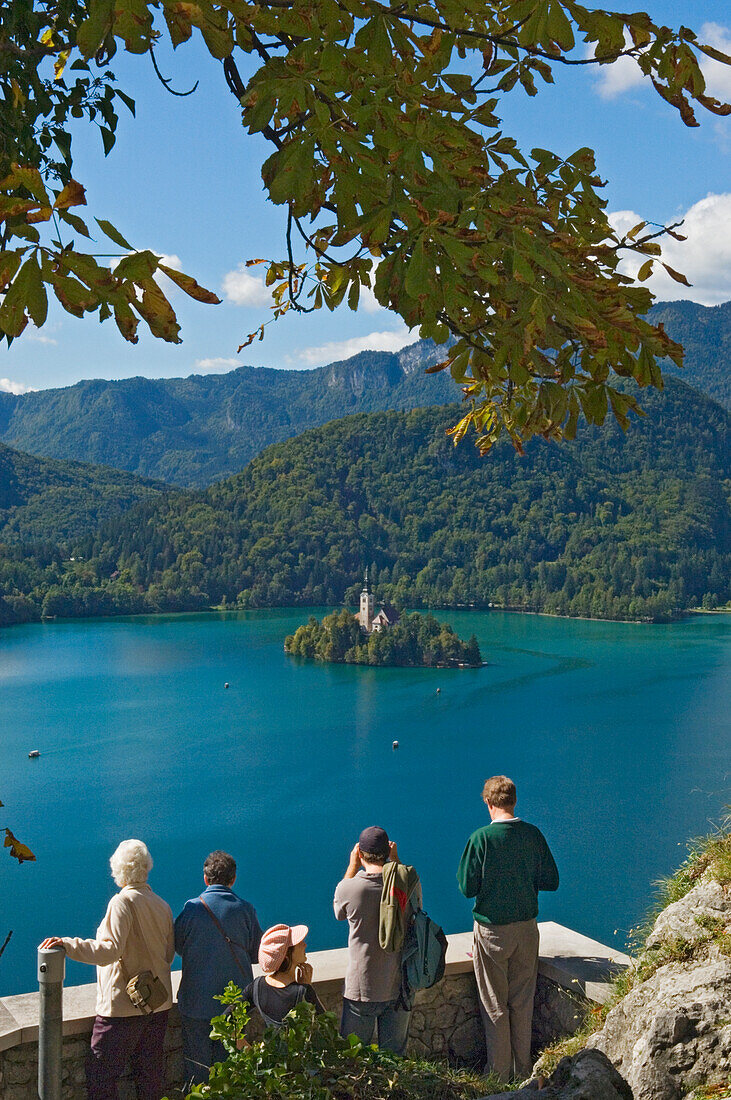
{"type": "Point", "coordinates": [573, 970]}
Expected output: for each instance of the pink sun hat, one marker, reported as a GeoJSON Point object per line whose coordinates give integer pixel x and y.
{"type": "Point", "coordinates": [276, 942]}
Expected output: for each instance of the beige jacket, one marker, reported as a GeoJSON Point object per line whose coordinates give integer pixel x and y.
{"type": "Point", "coordinates": [125, 945]}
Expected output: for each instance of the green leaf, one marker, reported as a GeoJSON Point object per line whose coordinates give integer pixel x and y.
{"type": "Point", "coordinates": [75, 221]}
{"type": "Point", "coordinates": [559, 27]}
{"type": "Point", "coordinates": [36, 297]}
{"type": "Point", "coordinates": [114, 235]}
{"type": "Point", "coordinates": [63, 144]}
{"type": "Point", "coordinates": [108, 139]}
{"type": "Point", "coordinates": [128, 102]}
{"type": "Point", "coordinates": [9, 264]}
{"type": "Point", "coordinates": [95, 27]}
{"type": "Point", "coordinates": [419, 272]}
{"type": "Point", "coordinates": [138, 266]}
{"type": "Point", "coordinates": [26, 295]}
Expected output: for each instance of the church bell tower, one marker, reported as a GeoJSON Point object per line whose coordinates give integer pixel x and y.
{"type": "Point", "coordinates": [366, 605]}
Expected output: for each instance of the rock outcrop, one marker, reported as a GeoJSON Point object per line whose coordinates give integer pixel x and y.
{"type": "Point", "coordinates": [672, 1032]}
{"type": "Point", "coordinates": [588, 1075]}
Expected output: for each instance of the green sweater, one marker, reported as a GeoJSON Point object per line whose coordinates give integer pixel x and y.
{"type": "Point", "coordinates": [503, 867]}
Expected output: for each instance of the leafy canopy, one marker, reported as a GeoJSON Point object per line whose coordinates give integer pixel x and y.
{"type": "Point", "coordinates": [390, 160]}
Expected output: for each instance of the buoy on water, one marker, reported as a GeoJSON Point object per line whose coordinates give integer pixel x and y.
{"type": "Point", "coordinates": [439, 691]}
{"type": "Point", "coordinates": [226, 684]}
{"type": "Point", "coordinates": [395, 745]}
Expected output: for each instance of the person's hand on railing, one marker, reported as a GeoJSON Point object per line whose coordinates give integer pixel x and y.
{"type": "Point", "coordinates": [50, 942]}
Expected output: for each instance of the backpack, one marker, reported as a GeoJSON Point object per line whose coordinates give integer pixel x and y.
{"type": "Point", "coordinates": [423, 958]}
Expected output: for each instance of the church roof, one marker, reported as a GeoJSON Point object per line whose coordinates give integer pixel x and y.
{"type": "Point", "coordinates": [389, 612]}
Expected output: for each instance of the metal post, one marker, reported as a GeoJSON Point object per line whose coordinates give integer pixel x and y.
{"type": "Point", "coordinates": [51, 969]}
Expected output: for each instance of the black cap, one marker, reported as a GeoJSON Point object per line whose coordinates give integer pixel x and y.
{"type": "Point", "coordinates": [374, 841]}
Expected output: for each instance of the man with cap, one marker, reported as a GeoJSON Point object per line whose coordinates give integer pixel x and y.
{"type": "Point", "coordinates": [217, 935]}
{"type": "Point", "coordinates": [373, 976]}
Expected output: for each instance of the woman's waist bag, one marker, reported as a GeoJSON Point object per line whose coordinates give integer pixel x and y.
{"type": "Point", "coordinates": [146, 992]}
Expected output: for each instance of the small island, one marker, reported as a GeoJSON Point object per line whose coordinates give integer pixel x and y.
{"type": "Point", "coordinates": [415, 641]}
{"type": "Point", "coordinates": [388, 638]}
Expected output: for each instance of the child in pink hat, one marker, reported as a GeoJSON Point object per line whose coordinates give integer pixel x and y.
{"type": "Point", "coordinates": [286, 976]}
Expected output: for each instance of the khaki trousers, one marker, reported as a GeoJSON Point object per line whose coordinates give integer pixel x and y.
{"type": "Point", "coordinates": [505, 958]}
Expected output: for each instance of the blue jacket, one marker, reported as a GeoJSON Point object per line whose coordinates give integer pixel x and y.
{"type": "Point", "coordinates": [208, 964]}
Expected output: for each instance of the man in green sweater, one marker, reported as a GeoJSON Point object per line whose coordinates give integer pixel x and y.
{"type": "Point", "coordinates": [503, 867]}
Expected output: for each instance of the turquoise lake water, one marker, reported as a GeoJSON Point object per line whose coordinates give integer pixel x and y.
{"type": "Point", "coordinates": [617, 736]}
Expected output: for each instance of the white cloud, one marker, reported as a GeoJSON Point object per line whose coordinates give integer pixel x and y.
{"type": "Point", "coordinates": [717, 76]}
{"type": "Point", "coordinates": [244, 289]}
{"type": "Point", "coordinates": [217, 365]}
{"type": "Point", "coordinates": [704, 258]}
{"type": "Point", "coordinates": [343, 349]}
{"type": "Point", "coordinates": [619, 77]}
{"type": "Point", "coordinates": [38, 337]}
{"type": "Point", "coordinates": [171, 261]}
{"type": "Point", "coordinates": [8, 386]}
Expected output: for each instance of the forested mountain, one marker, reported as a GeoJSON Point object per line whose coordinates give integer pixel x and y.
{"type": "Point", "coordinates": [193, 431]}
{"type": "Point", "coordinates": [616, 526]}
{"type": "Point", "coordinates": [705, 333]}
{"type": "Point", "coordinates": [45, 499]}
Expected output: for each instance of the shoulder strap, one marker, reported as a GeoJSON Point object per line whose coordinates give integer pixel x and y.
{"type": "Point", "coordinates": [228, 939]}
{"type": "Point", "coordinates": [136, 921]}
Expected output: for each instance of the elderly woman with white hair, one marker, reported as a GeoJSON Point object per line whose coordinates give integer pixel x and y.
{"type": "Point", "coordinates": [134, 941]}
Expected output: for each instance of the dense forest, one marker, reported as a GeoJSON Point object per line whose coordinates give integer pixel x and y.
{"type": "Point", "coordinates": [705, 333]}
{"type": "Point", "coordinates": [47, 499]}
{"type": "Point", "coordinates": [633, 526]}
{"type": "Point", "coordinates": [415, 641]}
{"type": "Point", "coordinates": [193, 431]}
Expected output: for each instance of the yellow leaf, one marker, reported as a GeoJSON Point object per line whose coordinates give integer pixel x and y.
{"type": "Point", "coordinates": [18, 851]}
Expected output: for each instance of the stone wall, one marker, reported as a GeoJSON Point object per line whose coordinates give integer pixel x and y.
{"type": "Point", "coordinates": [445, 1023]}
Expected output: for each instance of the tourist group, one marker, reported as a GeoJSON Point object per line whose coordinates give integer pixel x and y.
{"type": "Point", "coordinates": [217, 935]}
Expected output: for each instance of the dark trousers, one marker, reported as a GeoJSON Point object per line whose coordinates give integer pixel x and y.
{"type": "Point", "coordinates": [362, 1017]}
{"type": "Point", "coordinates": [200, 1051]}
{"type": "Point", "coordinates": [117, 1039]}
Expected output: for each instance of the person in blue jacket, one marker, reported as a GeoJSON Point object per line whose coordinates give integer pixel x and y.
{"type": "Point", "coordinates": [216, 935]}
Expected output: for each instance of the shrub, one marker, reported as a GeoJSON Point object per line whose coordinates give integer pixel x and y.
{"type": "Point", "coordinates": [308, 1060]}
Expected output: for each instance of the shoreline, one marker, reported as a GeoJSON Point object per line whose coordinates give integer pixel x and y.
{"type": "Point", "coordinates": [218, 609]}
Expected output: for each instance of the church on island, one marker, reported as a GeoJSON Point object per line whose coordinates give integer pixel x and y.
{"type": "Point", "coordinates": [386, 617]}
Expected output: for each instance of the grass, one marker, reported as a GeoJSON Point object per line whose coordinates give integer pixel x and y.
{"type": "Point", "coordinates": [707, 853]}
{"type": "Point", "coordinates": [711, 853]}
{"type": "Point", "coordinates": [416, 1079]}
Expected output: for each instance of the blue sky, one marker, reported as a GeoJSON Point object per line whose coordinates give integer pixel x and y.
{"type": "Point", "coordinates": [183, 179]}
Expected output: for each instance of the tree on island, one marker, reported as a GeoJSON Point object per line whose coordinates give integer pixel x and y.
{"type": "Point", "coordinates": [392, 167]}
{"type": "Point", "coordinates": [415, 641]}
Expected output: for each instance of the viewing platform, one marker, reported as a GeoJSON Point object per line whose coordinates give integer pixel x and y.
{"type": "Point", "coordinates": [573, 973]}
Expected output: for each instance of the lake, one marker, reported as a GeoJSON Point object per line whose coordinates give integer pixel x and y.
{"type": "Point", "coordinates": [617, 736]}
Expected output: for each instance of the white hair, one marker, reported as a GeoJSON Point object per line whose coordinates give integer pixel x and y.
{"type": "Point", "coordinates": [131, 863]}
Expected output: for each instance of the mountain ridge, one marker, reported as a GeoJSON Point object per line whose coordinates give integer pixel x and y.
{"type": "Point", "coordinates": [621, 526]}
{"type": "Point", "coordinates": [193, 431]}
